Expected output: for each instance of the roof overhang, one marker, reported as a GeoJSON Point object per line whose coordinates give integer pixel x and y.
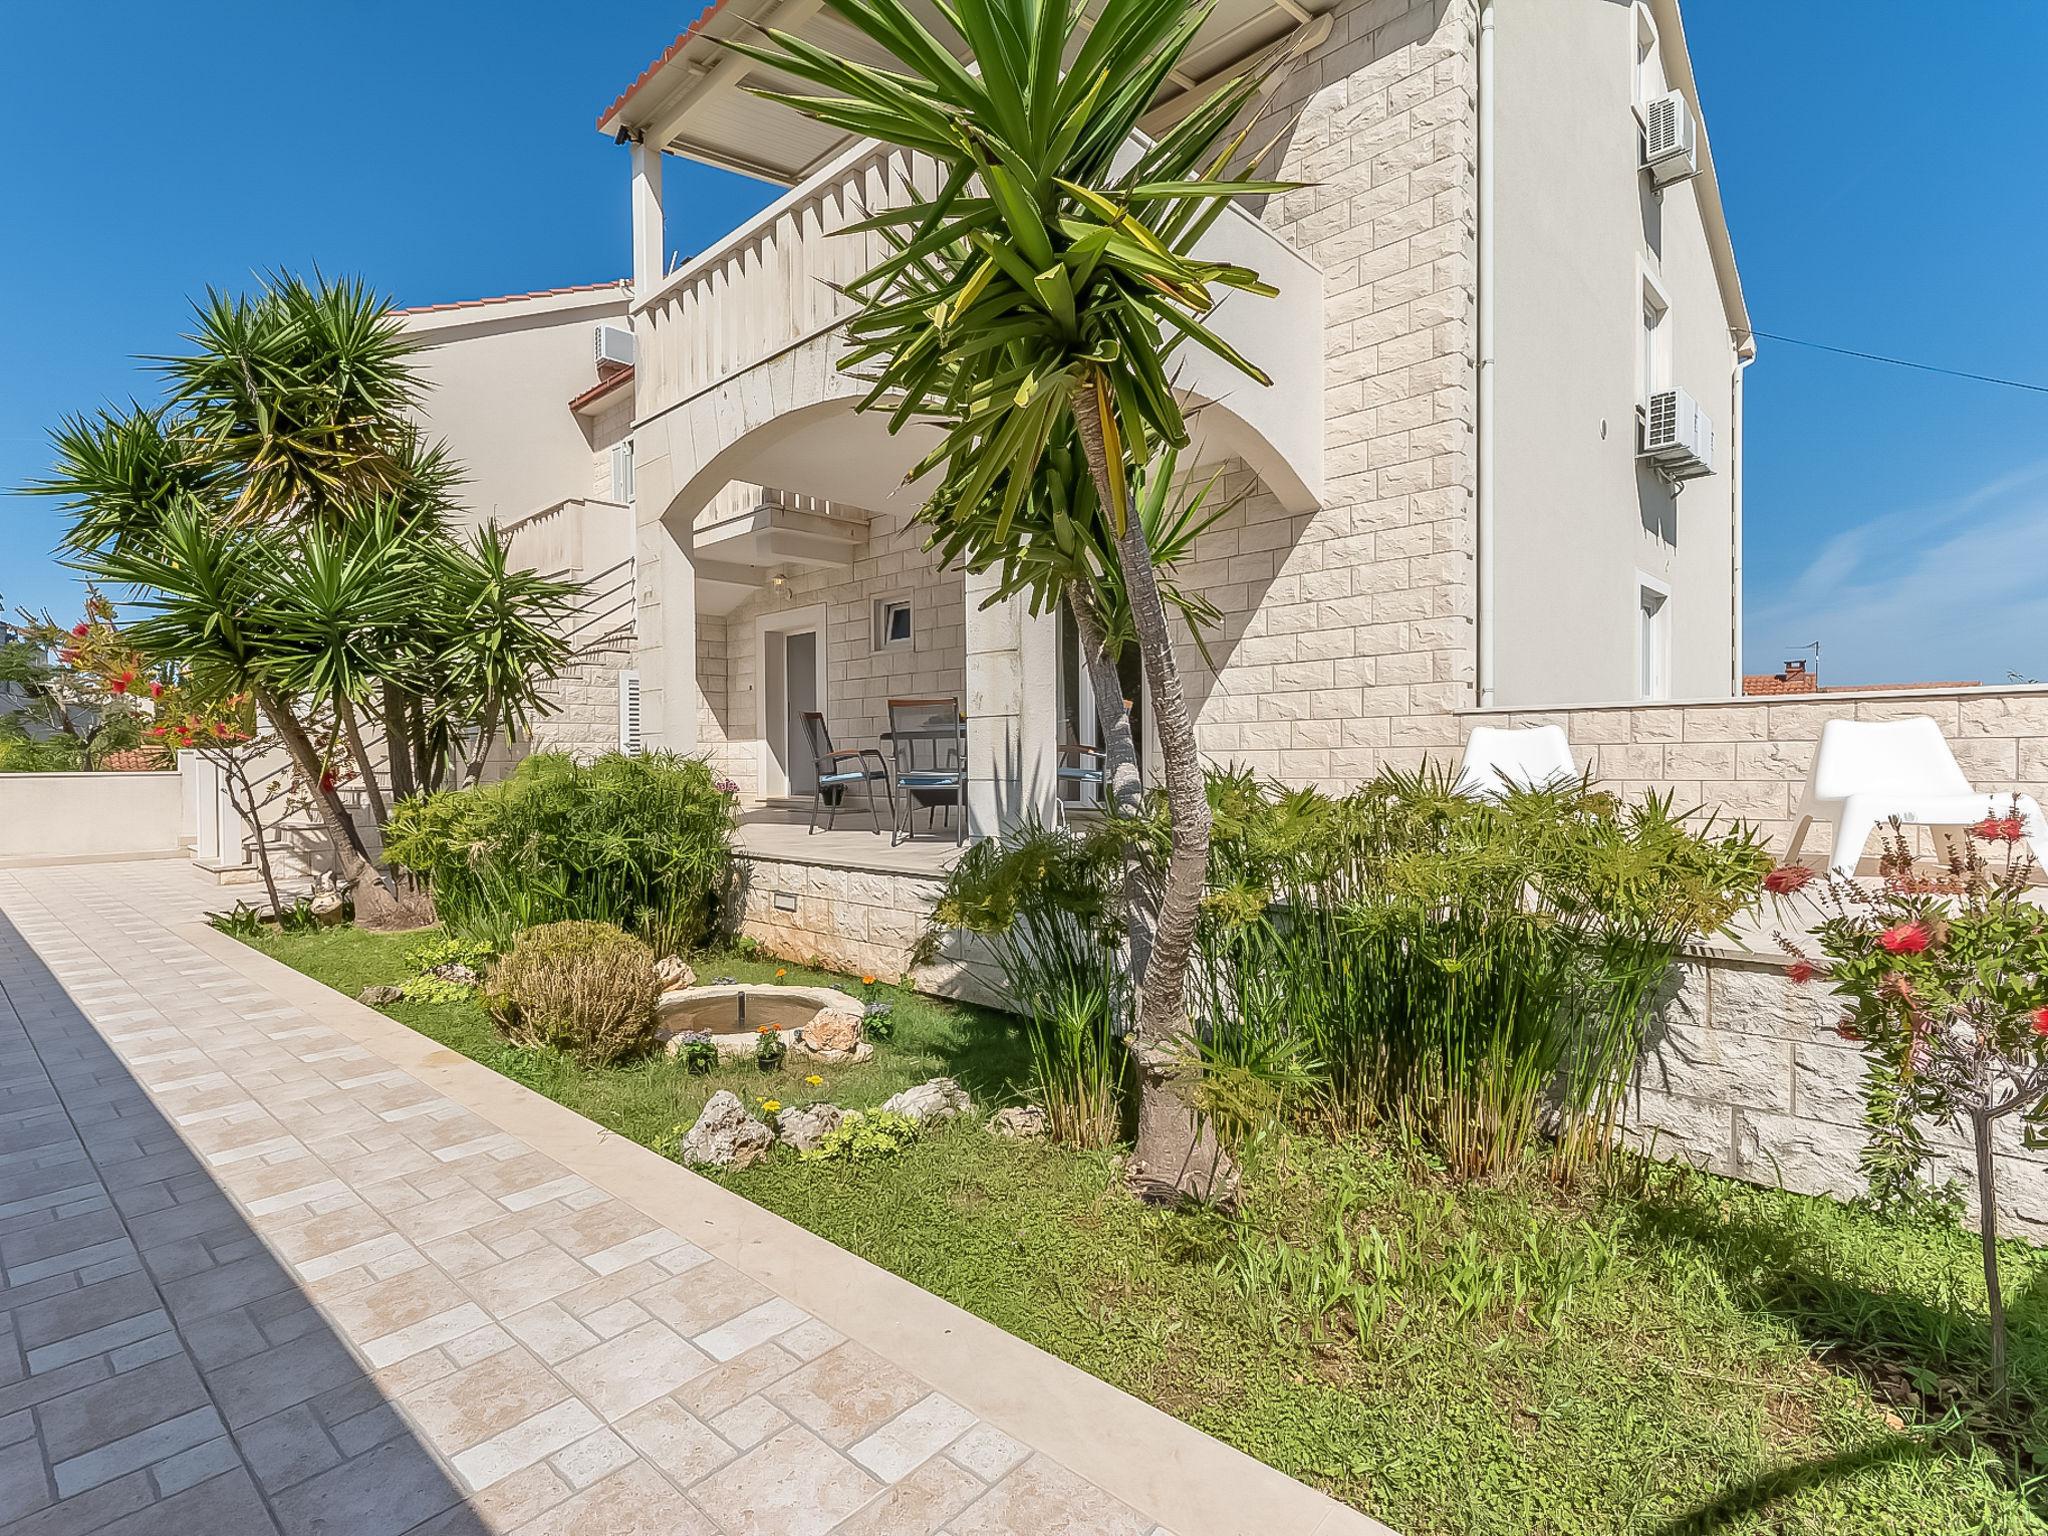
{"type": "Point", "coordinates": [1677, 62]}
{"type": "Point", "coordinates": [695, 99]}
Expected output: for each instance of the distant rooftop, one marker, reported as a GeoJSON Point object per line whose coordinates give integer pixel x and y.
{"type": "Point", "coordinates": [1799, 677]}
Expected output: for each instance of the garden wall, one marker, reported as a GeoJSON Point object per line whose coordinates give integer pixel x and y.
{"type": "Point", "coordinates": [1749, 757]}
{"type": "Point", "coordinates": [1745, 1076]}
{"type": "Point", "coordinates": [58, 815]}
{"type": "Point", "coordinates": [861, 921]}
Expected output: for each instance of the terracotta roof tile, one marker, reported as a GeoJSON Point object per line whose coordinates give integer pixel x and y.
{"type": "Point", "coordinates": [654, 69]}
{"type": "Point", "coordinates": [601, 388]}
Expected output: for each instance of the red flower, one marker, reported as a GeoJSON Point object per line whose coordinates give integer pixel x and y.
{"type": "Point", "coordinates": [220, 727]}
{"type": "Point", "coordinates": [1986, 830]}
{"type": "Point", "coordinates": [81, 630]}
{"type": "Point", "coordinates": [119, 684]}
{"type": "Point", "coordinates": [327, 782]}
{"type": "Point", "coordinates": [67, 657]}
{"type": "Point", "coordinates": [2011, 830]}
{"type": "Point", "coordinates": [1905, 939]}
{"type": "Point", "coordinates": [1800, 972]}
{"type": "Point", "coordinates": [2041, 1021]}
{"type": "Point", "coordinates": [1787, 878]}
{"type": "Point", "coordinates": [156, 730]}
{"type": "Point", "coordinates": [156, 690]}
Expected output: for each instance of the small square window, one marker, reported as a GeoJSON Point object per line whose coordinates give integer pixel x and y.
{"type": "Point", "coordinates": [892, 623]}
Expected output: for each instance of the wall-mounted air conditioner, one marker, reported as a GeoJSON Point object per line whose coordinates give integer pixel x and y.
{"type": "Point", "coordinates": [1670, 139]}
{"type": "Point", "coordinates": [1678, 437]}
{"type": "Point", "coordinates": [614, 345]}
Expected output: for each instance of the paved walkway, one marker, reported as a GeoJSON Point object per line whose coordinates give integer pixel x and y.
{"type": "Point", "coordinates": [273, 1263]}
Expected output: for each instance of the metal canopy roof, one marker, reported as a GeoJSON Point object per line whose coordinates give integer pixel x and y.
{"type": "Point", "coordinates": [694, 100]}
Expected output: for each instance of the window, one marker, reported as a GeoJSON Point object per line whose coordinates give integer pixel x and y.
{"type": "Point", "coordinates": [1654, 365]}
{"type": "Point", "coordinates": [622, 471]}
{"type": "Point", "coordinates": [1653, 640]}
{"type": "Point", "coordinates": [892, 623]}
{"type": "Point", "coordinates": [629, 713]}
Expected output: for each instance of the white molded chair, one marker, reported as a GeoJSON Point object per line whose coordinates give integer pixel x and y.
{"type": "Point", "coordinates": [1865, 772]}
{"type": "Point", "coordinates": [1535, 757]}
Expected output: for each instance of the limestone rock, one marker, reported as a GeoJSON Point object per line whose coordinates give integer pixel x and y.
{"type": "Point", "coordinates": [803, 1128]}
{"type": "Point", "coordinates": [674, 973]}
{"type": "Point", "coordinates": [834, 1035]}
{"type": "Point", "coordinates": [456, 972]}
{"type": "Point", "coordinates": [1020, 1122]}
{"type": "Point", "coordinates": [380, 997]}
{"type": "Point", "coordinates": [326, 908]}
{"type": "Point", "coordinates": [726, 1136]}
{"type": "Point", "coordinates": [939, 1099]}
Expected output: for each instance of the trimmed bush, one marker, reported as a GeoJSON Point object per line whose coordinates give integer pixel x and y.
{"type": "Point", "coordinates": [585, 989]}
{"type": "Point", "coordinates": [641, 842]}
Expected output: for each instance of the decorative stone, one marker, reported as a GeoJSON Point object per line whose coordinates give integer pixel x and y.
{"type": "Point", "coordinates": [674, 973]}
{"type": "Point", "coordinates": [803, 1128]}
{"type": "Point", "coordinates": [326, 908]}
{"type": "Point", "coordinates": [380, 997]}
{"type": "Point", "coordinates": [939, 1099]}
{"type": "Point", "coordinates": [1020, 1122]}
{"type": "Point", "coordinates": [726, 1136]}
{"type": "Point", "coordinates": [834, 1030]}
{"type": "Point", "coordinates": [457, 972]}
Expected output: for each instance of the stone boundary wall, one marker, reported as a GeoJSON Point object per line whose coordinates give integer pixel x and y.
{"type": "Point", "coordinates": [862, 921]}
{"type": "Point", "coordinates": [1744, 1075]}
{"type": "Point", "coordinates": [1749, 757]}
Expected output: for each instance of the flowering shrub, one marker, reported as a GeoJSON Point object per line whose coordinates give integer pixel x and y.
{"type": "Point", "coordinates": [698, 1055]}
{"type": "Point", "coordinates": [1944, 982]}
{"type": "Point", "coordinates": [769, 1049]}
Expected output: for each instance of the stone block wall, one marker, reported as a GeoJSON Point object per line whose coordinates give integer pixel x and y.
{"type": "Point", "coordinates": [860, 921]}
{"type": "Point", "coordinates": [585, 723]}
{"type": "Point", "coordinates": [1750, 757]}
{"type": "Point", "coordinates": [1353, 626]}
{"type": "Point", "coordinates": [1746, 1076]}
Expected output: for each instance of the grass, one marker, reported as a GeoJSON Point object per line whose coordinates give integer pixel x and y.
{"type": "Point", "coordinates": [1667, 1352]}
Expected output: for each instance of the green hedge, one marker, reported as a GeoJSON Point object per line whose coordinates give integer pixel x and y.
{"type": "Point", "coordinates": [641, 842]}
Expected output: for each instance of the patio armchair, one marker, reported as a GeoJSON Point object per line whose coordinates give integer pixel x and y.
{"type": "Point", "coordinates": [1083, 766]}
{"type": "Point", "coordinates": [1534, 757]}
{"type": "Point", "coordinates": [1866, 772]}
{"type": "Point", "coordinates": [928, 738]}
{"type": "Point", "coordinates": [838, 768]}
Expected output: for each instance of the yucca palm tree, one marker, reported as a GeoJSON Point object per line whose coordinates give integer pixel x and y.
{"type": "Point", "coordinates": [1039, 295]}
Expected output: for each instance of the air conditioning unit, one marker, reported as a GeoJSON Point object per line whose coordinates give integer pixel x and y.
{"type": "Point", "coordinates": [1678, 437]}
{"type": "Point", "coordinates": [614, 346]}
{"type": "Point", "coordinates": [1670, 140]}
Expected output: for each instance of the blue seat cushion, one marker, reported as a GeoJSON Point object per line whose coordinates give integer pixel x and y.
{"type": "Point", "coordinates": [922, 779]}
{"type": "Point", "coordinates": [841, 778]}
{"type": "Point", "coordinates": [1082, 775]}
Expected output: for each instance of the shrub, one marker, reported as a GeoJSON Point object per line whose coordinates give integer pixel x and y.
{"type": "Point", "coordinates": [641, 842]}
{"type": "Point", "coordinates": [698, 1055]}
{"type": "Point", "coordinates": [1476, 972]}
{"type": "Point", "coordinates": [583, 988]}
{"type": "Point", "coordinates": [770, 1049]}
{"type": "Point", "coordinates": [864, 1137]}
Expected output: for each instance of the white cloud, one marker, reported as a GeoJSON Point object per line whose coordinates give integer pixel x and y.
{"type": "Point", "coordinates": [1951, 592]}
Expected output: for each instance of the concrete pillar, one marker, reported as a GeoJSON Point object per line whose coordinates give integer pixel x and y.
{"type": "Point", "coordinates": [1012, 709]}
{"type": "Point", "coordinates": [650, 229]}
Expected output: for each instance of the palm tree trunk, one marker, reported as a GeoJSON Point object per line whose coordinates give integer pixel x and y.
{"type": "Point", "coordinates": [1177, 1155]}
{"type": "Point", "coordinates": [398, 743]}
{"type": "Point", "coordinates": [361, 754]}
{"type": "Point", "coordinates": [475, 770]}
{"type": "Point", "coordinates": [1120, 761]}
{"type": "Point", "coordinates": [374, 901]}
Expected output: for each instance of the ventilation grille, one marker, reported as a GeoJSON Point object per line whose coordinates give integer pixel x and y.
{"type": "Point", "coordinates": [1662, 426]}
{"type": "Point", "coordinates": [629, 714]}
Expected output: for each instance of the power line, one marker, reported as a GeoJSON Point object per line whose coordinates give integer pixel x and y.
{"type": "Point", "coordinates": [1901, 362]}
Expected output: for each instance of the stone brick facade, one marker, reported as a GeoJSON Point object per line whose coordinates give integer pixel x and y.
{"type": "Point", "coordinates": [1745, 1076]}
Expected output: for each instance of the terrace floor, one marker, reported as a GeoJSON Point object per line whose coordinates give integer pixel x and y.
{"type": "Point", "coordinates": [273, 1263]}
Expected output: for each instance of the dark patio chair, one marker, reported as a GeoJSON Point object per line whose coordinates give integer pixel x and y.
{"type": "Point", "coordinates": [838, 769]}
{"type": "Point", "coordinates": [928, 739]}
{"type": "Point", "coordinates": [1084, 767]}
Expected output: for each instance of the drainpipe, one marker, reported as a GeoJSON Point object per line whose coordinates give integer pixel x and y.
{"type": "Point", "coordinates": [1745, 354]}
{"type": "Point", "coordinates": [1485, 301]}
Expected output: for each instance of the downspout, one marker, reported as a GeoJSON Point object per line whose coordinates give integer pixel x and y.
{"type": "Point", "coordinates": [1485, 302]}
{"type": "Point", "coordinates": [1745, 354]}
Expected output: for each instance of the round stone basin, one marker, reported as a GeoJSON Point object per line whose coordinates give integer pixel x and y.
{"type": "Point", "coordinates": [715, 1011]}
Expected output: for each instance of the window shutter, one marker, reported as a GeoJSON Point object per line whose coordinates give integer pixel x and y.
{"type": "Point", "coordinates": [629, 713]}
{"type": "Point", "coordinates": [622, 471]}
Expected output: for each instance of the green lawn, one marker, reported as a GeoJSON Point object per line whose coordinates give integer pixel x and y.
{"type": "Point", "coordinates": [1668, 1353]}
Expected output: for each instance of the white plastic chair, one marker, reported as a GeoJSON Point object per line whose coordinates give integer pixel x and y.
{"type": "Point", "coordinates": [1534, 757]}
{"type": "Point", "coordinates": [1865, 772]}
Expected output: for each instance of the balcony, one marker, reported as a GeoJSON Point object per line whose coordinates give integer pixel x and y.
{"type": "Point", "coordinates": [755, 314]}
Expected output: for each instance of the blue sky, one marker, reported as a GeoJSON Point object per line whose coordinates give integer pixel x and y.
{"type": "Point", "coordinates": [1874, 175]}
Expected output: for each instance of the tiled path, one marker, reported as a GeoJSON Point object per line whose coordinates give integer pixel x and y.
{"type": "Point", "coordinates": [273, 1264]}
